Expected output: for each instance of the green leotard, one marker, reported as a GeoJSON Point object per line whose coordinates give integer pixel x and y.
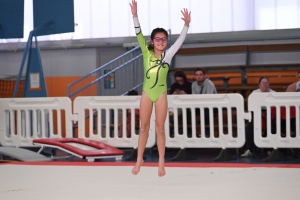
{"type": "Point", "coordinates": [156, 69]}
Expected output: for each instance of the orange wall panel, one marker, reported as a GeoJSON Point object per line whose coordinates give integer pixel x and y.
{"type": "Point", "coordinates": [58, 86]}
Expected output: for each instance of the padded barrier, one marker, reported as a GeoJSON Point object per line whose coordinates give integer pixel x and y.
{"type": "Point", "coordinates": [215, 110]}
{"type": "Point", "coordinates": [27, 119]}
{"type": "Point", "coordinates": [282, 119]}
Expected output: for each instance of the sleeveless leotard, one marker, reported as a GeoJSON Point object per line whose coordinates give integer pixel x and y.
{"type": "Point", "coordinates": [156, 69]}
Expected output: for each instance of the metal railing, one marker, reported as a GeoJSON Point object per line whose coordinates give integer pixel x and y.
{"type": "Point", "coordinates": [114, 78]}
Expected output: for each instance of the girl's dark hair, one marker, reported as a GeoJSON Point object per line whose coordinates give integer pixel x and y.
{"type": "Point", "coordinates": [180, 74]}
{"type": "Point", "coordinates": [262, 77]}
{"type": "Point", "coordinates": [154, 32]}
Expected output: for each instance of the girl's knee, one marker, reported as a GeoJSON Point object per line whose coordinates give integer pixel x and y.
{"type": "Point", "coordinates": [144, 128]}
{"type": "Point", "coordinates": [160, 130]}
{"type": "Point", "coordinates": [159, 126]}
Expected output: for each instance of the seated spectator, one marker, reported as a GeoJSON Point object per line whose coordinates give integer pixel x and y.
{"type": "Point", "coordinates": [203, 85]}
{"type": "Point", "coordinates": [294, 87]}
{"type": "Point", "coordinates": [181, 85]}
{"type": "Point", "coordinates": [128, 118]}
{"type": "Point", "coordinates": [264, 86]}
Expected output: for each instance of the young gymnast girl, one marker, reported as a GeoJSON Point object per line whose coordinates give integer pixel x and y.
{"type": "Point", "coordinates": [156, 65]}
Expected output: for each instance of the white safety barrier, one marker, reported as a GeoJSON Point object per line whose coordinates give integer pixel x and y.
{"type": "Point", "coordinates": [26, 119]}
{"type": "Point", "coordinates": [283, 130]}
{"type": "Point", "coordinates": [104, 126]}
{"type": "Point", "coordinates": [197, 121]}
{"type": "Point", "coordinates": [216, 121]}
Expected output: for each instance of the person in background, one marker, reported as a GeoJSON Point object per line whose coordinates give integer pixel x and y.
{"type": "Point", "coordinates": [181, 85]}
{"type": "Point", "coordinates": [264, 86]}
{"type": "Point", "coordinates": [294, 87]}
{"type": "Point", "coordinates": [203, 85]}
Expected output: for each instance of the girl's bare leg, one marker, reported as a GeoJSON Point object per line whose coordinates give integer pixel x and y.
{"type": "Point", "coordinates": [145, 114]}
{"type": "Point", "coordinates": [161, 107]}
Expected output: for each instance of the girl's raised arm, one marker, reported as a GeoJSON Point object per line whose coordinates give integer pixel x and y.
{"type": "Point", "coordinates": [133, 6]}
{"type": "Point", "coordinates": [186, 16]}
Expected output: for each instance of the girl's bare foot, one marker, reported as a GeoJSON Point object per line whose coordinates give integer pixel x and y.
{"type": "Point", "coordinates": [137, 166]}
{"type": "Point", "coordinates": [161, 168]}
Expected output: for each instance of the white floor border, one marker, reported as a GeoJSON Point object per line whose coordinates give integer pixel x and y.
{"type": "Point", "coordinates": [30, 182]}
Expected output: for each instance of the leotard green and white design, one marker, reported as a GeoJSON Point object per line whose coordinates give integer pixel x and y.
{"type": "Point", "coordinates": [156, 69]}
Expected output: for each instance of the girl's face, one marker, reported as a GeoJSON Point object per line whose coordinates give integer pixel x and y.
{"type": "Point", "coordinates": [160, 41]}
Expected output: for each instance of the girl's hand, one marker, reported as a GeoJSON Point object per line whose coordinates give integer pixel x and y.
{"type": "Point", "coordinates": [186, 16]}
{"type": "Point", "coordinates": [133, 7]}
